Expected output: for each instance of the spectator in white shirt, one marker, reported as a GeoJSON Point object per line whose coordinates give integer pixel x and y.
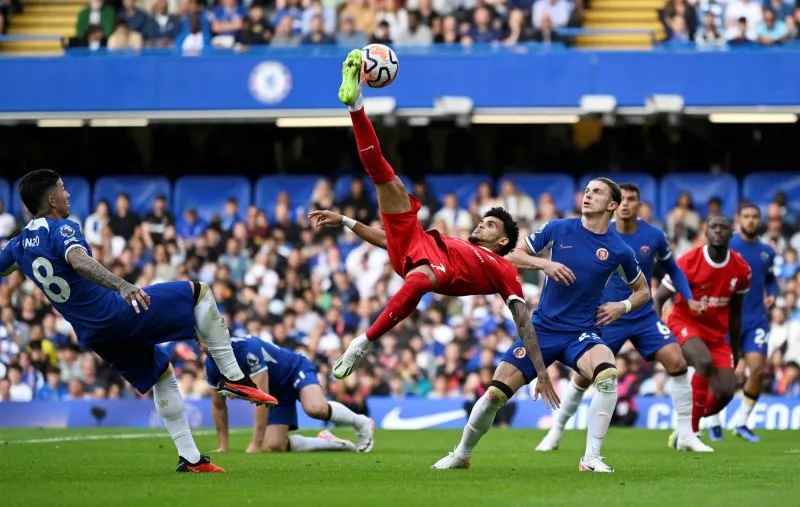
{"type": "Point", "coordinates": [519, 204]}
{"type": "Point", "coordinates": [95, 223]}
{"type": "Point", "coordinates": [417, 34]}
{"type": "Point", "coordinates": [7, 223]}
{"type": "Point", "coordinates": [748, 9]}
{"type": "Point", "coordinates": [557, 10]}
{"type": "Point", "coordinates": [18, 390]}
{"type": "Point", "coordinates": [452, 215]}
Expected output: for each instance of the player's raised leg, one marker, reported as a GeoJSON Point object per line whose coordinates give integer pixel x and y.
{"type": "Point", "coordinates": [598, 364]}
{"type": "Point", "coordinates": [507, 380]}
{"type": "Point", "coordinates": [316, 406]}
{"type": "Point", "coordinates": [214, 335]}
{"type": "Point", "coordinates": [755, 363]}
{"type": "Point", "coordinates": [571, 400]}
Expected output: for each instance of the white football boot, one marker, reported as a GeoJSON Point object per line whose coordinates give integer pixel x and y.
{"type": "Point", "coordinates": [451, 461]}
{"type": "Point", "coordinates": [594, 464]}
{"type": "Point", "coordinates": [551, 440]}
{"type": "Point", "coordinates": [352, 357]}
{"type": "Point", "coordinates": [365, 431]}
{"type": "Point", "coordinates": [345, 445]}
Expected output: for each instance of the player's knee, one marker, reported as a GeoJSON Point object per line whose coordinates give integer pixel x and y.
{"type": "Point", "coordinates": [703, 365]}
{"type": "Point", "coordinates": [278, 445]}
{"type": "Point", "coordinates": [605, 378]}
{"type": "Point", "coordinates": [498, 393]}
{"type": "Point", "coordinates": [676, 365]}
{"type": "Point", "coordinates": [581, 382]}
{"type": "Point", "coordinates": [317, 409]}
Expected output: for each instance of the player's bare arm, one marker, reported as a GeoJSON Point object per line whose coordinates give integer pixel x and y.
{"type": "Point", "coordinates": [735, 325]}
{"type": "Point", "coordinates": [260, 416]}
{"type": "Point", "coordinates": [611, 311]}
{"type": "Point", "coordinates": [522, 258]}
{"type": "Point", "coordinates": [89, 268]}
{"type": "Point", "coordinates": [326, 218]}
{"type": "Point", "coordinates": [219, 413]}
{"type": "Point", "coordinates": [663, 294]}
{"type": "Point", "coordinates": [527, 333]}
{"type": "Point", "coordinates": [9, 270]}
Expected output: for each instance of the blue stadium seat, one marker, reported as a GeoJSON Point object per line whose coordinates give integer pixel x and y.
{"type": "Point", "coordinates": [207, 194]}
{"type": "Point", "coordinates": [142, 191]}
{"type": "Point", "coordinates": [465, 186]}
{"type": "Point", "coordinates": [299, 189]}
{"type": "Point", "coordinates": [342, 187]}
{"type": "Point", "coordinates": [80, 197]}
{"type": "Point", "coordinates": [5, 195]}
{"type": "Point", "coordinates": [648, 186]}
{"type": "Point", "coordinates": [560, 186]}
{"type": "Point", "coordinates": [760, 188]}
{"type": "Point", "coordinates": [702, 187]}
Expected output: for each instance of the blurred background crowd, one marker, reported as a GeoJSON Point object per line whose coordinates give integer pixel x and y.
{"type": "Point", "coordinates": [312, 290]}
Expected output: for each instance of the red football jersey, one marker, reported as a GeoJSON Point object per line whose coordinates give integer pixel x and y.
{"type": "Point", "coordinates": [713, 283]}
{"type": "Point", "coordinates": [478, 271]}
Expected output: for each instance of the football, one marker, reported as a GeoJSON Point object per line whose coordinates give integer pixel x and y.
{"type": "Point", "coordinates": [379, 65]}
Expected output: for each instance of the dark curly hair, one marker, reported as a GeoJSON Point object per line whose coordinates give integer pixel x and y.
{"type": "Point", "coordinates": [34, 187]}
{"type": "Point", "coordinates": [510, 228]}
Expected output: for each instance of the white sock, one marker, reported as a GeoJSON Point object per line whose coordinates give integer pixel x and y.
{"type": "Point", "coordinates": [212, 331]}
{"type": "Point", "coordinates": [342, 415]}
{"type": "Point", "coordinates": [170, 407]}
{"type": "Point", "coordinates": [570, 401]}
{"type": "Point", "coordinates": [682, 402]}
{"type": "Point", "coordinates": [358, 103]}
{"type": "Point", "coordinates": [480, 420]}
{"type": "Point", "coordinates": [600, 411]}
{"type": "Point", "coordinates": [743, 412]}
{"type": "Point", "coordinates": [713, 420]}
{"type": "Point", "coordinates": [307, 444]}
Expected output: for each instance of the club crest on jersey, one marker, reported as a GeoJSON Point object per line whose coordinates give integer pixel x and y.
{"type": "Point", "coordinates": [602, 254]}
{"type": "Point", "coordinates": [733, 283]}
{"type": "Point", "coordinates": [252, 361]}
{"type": "Point", "coordinates": [764, 256]}
{"type": "Point", "coordinates": [645, 250]}
{"type": "Point", "coordinates": [519, 352]}
{"type": "Point", "coordinates": [66, 231]}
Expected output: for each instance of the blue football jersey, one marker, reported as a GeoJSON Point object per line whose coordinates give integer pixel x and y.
{"type": "Point", "coordinates": [761, 258]}
{"type": "Point", "coordinates": [649, 244]}
{"type": "Point", "coordinates": [593, 258]}
{"type": "Point", "coordinates": [40, 251]}
{"type": "Point", "coordinates": [255, 356]}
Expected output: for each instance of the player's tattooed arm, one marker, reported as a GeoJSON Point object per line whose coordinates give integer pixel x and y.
{"type": "Point", "coordinates": [90, 269]}
{"type": "Point", "coordinates": [523, 258]}
{"type": "Point", "coordinates": [327, 218]}
{"type": "Point", "coordinates": [735, 325]}
{"type": "Point", "coordinates": [522, 319]}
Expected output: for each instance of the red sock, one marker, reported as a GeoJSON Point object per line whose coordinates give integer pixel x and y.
{"type": "Point", "coordinates": [369, 149]}
{"type": "Point", "coordinates": [699, 397]}
{"type": "Point", "coordinates": [712, 405]}
{"type": "Point", "coordinates": [401, 304]}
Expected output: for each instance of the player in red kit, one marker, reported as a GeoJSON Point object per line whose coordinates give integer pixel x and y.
{"type": "Point", "coordinates": [428, 261]}
{"type": "Point", "coordinates": [718, 277]}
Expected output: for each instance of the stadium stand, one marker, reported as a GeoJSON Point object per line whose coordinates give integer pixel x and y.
{"type": "Point", "coordinates": [141, 190]}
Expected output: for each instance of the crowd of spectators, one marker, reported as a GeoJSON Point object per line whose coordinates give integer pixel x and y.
{"type": "Point", "coordinates": [730, 22]}
{"type": "Point", "coordinates": [312, 290]}
{"type": "Point", "coordinates": [192, 25]}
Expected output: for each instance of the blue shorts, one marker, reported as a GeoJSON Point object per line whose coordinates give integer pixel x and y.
{"type": "Point", "coordinates": [133, 352]}
{"type": "Point", "coordinates": [285, 412]}
{"type": "Point", "coordinates": [563, 346]}
{"type": "Point", "coordinates": [755, 337]}
{"type": "Point", "coordinates": [648, 335]}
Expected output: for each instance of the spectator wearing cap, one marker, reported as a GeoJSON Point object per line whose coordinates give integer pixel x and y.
{"type": "Point", "coordinates": [348, 35]}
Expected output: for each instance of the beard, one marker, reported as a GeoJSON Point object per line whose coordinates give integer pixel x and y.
{"type": "Point", "coordinates": [752, 233]}
{"type": "Point", "coordinates": [473, 240]}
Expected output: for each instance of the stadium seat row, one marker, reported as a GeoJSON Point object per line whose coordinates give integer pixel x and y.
{"type": "Point", "coordinates": [207, 194]}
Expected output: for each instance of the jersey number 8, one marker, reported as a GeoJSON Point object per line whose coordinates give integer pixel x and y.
{"type": "Point", "coordinates": [47, 280]}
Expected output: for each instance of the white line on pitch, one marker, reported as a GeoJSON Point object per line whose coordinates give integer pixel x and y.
{"type": "Point", "coordinates": [110, 436]}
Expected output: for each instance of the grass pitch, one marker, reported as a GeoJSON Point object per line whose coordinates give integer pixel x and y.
{"type": "Point", "coordinates": [110, 468]}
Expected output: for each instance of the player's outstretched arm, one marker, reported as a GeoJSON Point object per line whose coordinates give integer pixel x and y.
{"type": "Point", "coordinates": [8, 263]}
{"type": "Point", "coordinates": [260, 416]}
{"type": "Point", "coordinates": [219, 413]}
{"type": "Point", "coordinates": [527, 333]}
{"type": "Point", "coordinates": [735, 325]}
{"type": "Point", "coordinates": [326, 218]}
{"type": "Point", "coordinates": [523, 258]}
{"type": "Point", "coordinates": [89, 268]}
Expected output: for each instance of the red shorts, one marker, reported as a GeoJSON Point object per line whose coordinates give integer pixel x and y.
{"type": "Point", "coordinates": [410, 246]}
{"type": "Point", "coordinates": [720, 349]}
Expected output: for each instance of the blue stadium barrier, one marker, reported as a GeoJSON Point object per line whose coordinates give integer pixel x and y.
{"type": "Point", "coordinates": [648, 186]}
{"type": "Point", "coordinates": [702, 187]}
{"type": "Point", "coordinates": [560, 186]}
{"type": "Point", "coordinates": [342, 187]}
{"type": "Point", "coordinates": [771, 412]}
{"type": "Point", "coordinates": [5, 195]}
{"type": "Point", "coordinates": [464, 186]}
{"type": "Point", "coordinates": [760, 188]}
{"type": "Point", "coordinates": [207, 194]}
{"type": "Point", "coordinates": [80, 197]}
{"type": "Point", "coordinates": [142, 191]}
{"type": "Point", "coordinates": [300, 188]}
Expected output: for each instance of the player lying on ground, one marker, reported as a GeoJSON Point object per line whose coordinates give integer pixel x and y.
{"type": "Point", "coordinates": [755, 318]}
{"type": "Point", "coordinates": [290, 377]}
{"type": "Point", "coordinates": [585, 253]}
{"type": "Point", "coordinates": [428, 261]}
{"type": "Point", "coordinates": [718, 277]}
{"type": "Point", "coordinates": [121, 322]}
{"type": "Point", "coordinates": [642, 327]}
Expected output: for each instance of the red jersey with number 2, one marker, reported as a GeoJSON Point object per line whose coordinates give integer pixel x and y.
{"type": "Point", "coordinates": [715, 284]}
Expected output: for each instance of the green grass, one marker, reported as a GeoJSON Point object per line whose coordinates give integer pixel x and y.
{"type": "Point", "coordinates": [505, 472]}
